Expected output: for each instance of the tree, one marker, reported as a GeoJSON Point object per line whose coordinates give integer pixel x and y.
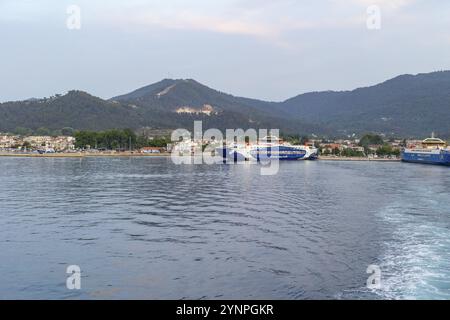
{"type": "Point", "coordinates": [304, 140]}
{"type": "Point", "coordinates": [42, 131]}
{"type": "Point", "coordinates": [23, 131]}
{"type": "Point", "coordinates": [348, 152]}
{"type": "Point", "coordinates": [371, 139]}
{"type": "Point", "coordinates": [85, 138]}
{"type": "Point", "coordinates": [110, 139]}
{"type": "Point", "coordinates": [67, 131]}
{"type": "Point", "coordinates": [158, 142]}
{"type": "Point", "coordinates": [26, 145]}
{"type": "Point", "coordinates": [336, 151]}
{"type": "Point", "coordinates": [387, 150]}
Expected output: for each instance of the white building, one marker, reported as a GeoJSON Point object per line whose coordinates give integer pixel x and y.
{"type": "Point", "coordinates": [60, 143]}
{"type": "Point", "coordinates": [8, 141]}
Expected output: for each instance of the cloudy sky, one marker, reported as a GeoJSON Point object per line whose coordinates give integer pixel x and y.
{"type": "Point", "coordinates": [256, 48]}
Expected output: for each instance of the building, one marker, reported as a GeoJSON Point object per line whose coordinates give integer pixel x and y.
{"type": "Point", "coordinates": [330, 147]}
{"type": "Point", "coordinates": [60, 143]}
{"type": "Point", "coordinates": [152, 150]}
{"type": "Point", "coordinates": [186, 147]}
{"type": "Point", "coordinates": [411, 144]}
{"type": "Point", "coordinates": [357, 148]}
{"type": "Point", "coordinates": [9, 142]}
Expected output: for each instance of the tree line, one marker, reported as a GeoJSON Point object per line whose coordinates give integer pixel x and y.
{"type": "Point", "coordinates": [43, 131]}
{"type": "Point", "coordinates": [116, 139]}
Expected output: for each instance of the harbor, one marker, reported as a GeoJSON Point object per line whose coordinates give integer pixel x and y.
{"type": "Point", "coordinates": [269, 147]}
{"type": "Point", "coordinates": [140, 155]}
{"type": "Point", "coordinates": [224, 159]}
{"type": "Point", "coordinates": [369, 148]}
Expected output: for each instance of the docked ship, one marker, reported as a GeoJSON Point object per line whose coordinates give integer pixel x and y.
{"type": "Point", "coordinates": [433, 151]}
{"type": "Point", "coordinates": [269, 147]}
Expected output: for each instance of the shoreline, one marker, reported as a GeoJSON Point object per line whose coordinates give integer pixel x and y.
{"type": "Point", "coordinates": [136, 155]}
{"type": "Point", "coordinates": [82, 155]}
{"type": "Point", "coordinates": [321, 158]}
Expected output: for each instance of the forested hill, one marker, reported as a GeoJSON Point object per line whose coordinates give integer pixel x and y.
{"type": "Point", "coordinates": [408, 105]}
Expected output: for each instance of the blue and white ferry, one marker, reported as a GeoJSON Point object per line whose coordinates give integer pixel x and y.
{"type": "Point", "coordinates": [269, 147]}
{"type": "Point", "coordinates": [433, 151]}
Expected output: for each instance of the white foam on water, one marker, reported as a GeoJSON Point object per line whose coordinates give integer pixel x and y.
{"type": "Point", "coordinates": [416, 259]}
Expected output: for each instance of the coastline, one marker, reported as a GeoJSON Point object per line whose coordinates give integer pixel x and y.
{"type": "Point", "coordinates": [325, 158]}
{"type": "Point", "coordinates": [131, 154]}
{"type": "Point", "coordinates": [82, 155]}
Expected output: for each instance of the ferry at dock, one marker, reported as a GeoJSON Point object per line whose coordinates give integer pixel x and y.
{"type": "Point", "coordinates": [433, 151]}
{"type": "Point", "coordinates": [269, 147]}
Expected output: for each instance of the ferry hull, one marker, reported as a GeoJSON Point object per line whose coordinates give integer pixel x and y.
{"type": "Point", "coordinates": [440, 157]}
{"type": "Point", "coordinates": [262, 154]}
{"type": "Point", "coordinates": [279, 153]}
{"type": "Point", "coordinates": [233, 154]}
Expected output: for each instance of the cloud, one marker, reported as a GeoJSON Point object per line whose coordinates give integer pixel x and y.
{"type": "Point", "coordinates": [190, 20]}
{"type": "Point", "coordinates": [390, 4]}
{"type": "Point", "coordinates": [272, 21]}
{"type": "Point", "coordinates": [266, 19]}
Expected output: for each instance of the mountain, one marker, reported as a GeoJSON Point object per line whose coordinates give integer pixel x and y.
{"type": "Point", "coordinates": [76, 109]}
{"type": "Point", "coordinates": [169, 104]}
{"type": "Point", "coordinates": [190, 96]}
{"type": "Point", "coordinates": [408, 105]}
{"type": "Point", "coordinates": [186, 100]}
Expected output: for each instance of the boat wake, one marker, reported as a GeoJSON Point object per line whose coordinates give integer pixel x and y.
{"type": "Point", "coordinates": [416, 259]}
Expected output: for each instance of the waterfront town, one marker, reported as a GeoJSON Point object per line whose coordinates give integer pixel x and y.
{"type": "Point", "coordinates": [34, 143]}
{"type": "Point", "coordinates": [368, 146]}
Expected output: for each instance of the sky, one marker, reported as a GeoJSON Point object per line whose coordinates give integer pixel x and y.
{"type": "Point", "coordinates": [270, 50]}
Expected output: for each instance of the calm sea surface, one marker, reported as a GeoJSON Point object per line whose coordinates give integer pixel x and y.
{"type": "Point", "coordinates": [145, 228]}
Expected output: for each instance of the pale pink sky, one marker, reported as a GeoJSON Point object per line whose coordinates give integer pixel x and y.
{"type": "Point", "coordinates": [263, 49]}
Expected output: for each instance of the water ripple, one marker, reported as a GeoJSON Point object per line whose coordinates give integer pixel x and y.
{"type": "Point", "coordinates": [145, 228]}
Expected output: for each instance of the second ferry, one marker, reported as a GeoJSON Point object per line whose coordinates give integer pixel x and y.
{"type": "Point", "coordinates": [433, 151]}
